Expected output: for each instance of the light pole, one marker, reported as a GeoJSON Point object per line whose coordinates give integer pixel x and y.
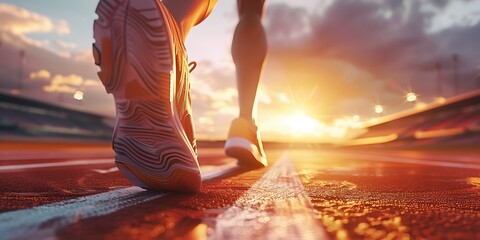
{"type": "Point", "coordinates": [478, 80]}
{"type": "Point", "coordinates": [455, 72]}
{"type": "Point", "coordinates": [23, 61]}
{"type": "Point", "coordinates": [0, 55]}
{"type": "Point", "coordinates": [438, 73]}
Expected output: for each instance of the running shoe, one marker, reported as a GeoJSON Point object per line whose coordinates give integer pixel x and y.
{"type": "Point", "coordinates": [144, 65]}
{"type": "Point", "coordinates": [244, 144]}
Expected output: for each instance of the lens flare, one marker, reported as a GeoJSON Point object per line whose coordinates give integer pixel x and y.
{"type": "Point", "coordinates": [301, 124]}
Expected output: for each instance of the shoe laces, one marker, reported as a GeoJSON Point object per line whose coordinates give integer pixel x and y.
{"type": "Point", "coordinates": [192, 65]}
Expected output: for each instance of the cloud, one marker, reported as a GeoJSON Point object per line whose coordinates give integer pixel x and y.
{"type": "Point", "coordinates": [263, 96]}
{"type": "Point", "coordinates": [214, 99]}
{"type": "Point", "coordinates": [61, 83]}
{"type": "Point", "coordinates": [214, 88]}
{"type": "Point", "coordinates": [62, 27]}
{"type": "Point", "coordinates": [70, 50]}
{"type": "Point", "coordinates": [70, 83]}
{"type": "Point", "coordinates": [38, 58]}
{"type": "Point", "coordinates": [65, 45]}
{"type": "Point", "coordinates": [286, 23]}
{"type": "Point", "coordinates": [21, 21]}
{"type": "Point", "coordinates": [91, 83]}
{"type": "Point", "coordinates": [41, 74]}
{"type": "Point", "coordinates": [84, 56]}
{"type": "Point", "coordinates": [38, 43]}
{"type": "Point", "coordinates": [370, 50]}
{"type": "Point", "coordinates": [64, 54]}
{"type": "Point", "coordinates": [59, 88]}
{"type": "Point", "coordinates": [454, 14]}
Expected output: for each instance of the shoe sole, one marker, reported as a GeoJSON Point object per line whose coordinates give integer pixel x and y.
{"type": "Point", "coordinates": [150, 144]}
{"type": "Point", "coordinates": [245, 152]}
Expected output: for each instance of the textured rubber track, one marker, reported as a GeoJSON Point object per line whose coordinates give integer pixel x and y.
{"type": "Point", "coordinates": [135, 51]}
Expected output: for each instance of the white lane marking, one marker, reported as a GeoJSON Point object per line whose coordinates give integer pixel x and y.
{"type": "Point", "coordinates": [206, 168]}
{"type": "Point", "coordinates": [57, 154]}
{"type": "Point", "coordinates": [43, 221]}
{"type": "Point", "coordinates": [56, 164]}
{"type": "Point", "coordinates": [383, 158]}
{"type": "Point", "coordinates": [104, 171]}
{"type": "Point", "coordinates": [72, 154]}
{"type": "Point", "coordinates": [212, 171]}
{"type": "Point", "coordinates": [275, 207]}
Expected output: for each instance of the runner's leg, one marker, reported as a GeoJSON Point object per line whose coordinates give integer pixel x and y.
{"type": "Point", "coordinates": [249, 49]}
{"type": "Point", "coordinates": [189, 13]}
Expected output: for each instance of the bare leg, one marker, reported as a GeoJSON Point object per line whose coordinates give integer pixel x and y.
{"type": "Point", "coordinates": [249, 49]}
{"type": "Point", "coordinates": [189, 13]}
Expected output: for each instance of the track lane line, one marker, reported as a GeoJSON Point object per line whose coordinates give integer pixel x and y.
{"type": "Point", "coordinates": [49, 155]}
{"type": "Point", "coordinates": [275, 207]}
{"type": "Point", "coordinates": [60, 155]}
{"type": "Point", "coordinates": [43, 221]}
{"type": "Point", "coordinates": [66, 163]}
{"type": "Point", "coordinates": [57, 164]}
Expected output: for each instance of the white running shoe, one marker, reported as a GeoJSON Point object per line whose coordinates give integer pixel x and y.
{"type": "Point", "coordinates": [244, 144]}
{"type": "Point", "coordinates": [144, 65]}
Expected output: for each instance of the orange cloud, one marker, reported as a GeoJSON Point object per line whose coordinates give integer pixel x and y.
{"type": "Point", "coordinates": [61, 83]}
{"type": "Point", "coordinates": [68, 84]}
{"type": "Point", "coordinates": [41, 74]}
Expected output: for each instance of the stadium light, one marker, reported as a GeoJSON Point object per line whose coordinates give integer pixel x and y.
{"type": "Point", "coordinates": [411, 97]}
{"type": "Point", "coordinates": [378, 109]}
{"type": "Point", "coordinates": [78, 95]}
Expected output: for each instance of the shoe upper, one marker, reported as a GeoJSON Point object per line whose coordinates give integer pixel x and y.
{"type": "Point", "coordinates": [182, 93]}
{"type": "Point", "coordinates": [242, 128]}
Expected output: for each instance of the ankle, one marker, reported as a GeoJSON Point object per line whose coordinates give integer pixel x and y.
{"type": "Point", "coordinates": [251, 120]}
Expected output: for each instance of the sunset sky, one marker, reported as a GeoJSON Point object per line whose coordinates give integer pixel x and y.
{"type": "Point", "coordinates": [328, 60]}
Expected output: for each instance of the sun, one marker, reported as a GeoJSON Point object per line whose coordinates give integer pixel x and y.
{"type": "Point", "coordinates": [301, 124]}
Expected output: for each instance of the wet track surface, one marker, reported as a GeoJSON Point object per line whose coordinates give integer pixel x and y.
{"type": "Point", "coordinates": [305, 194]}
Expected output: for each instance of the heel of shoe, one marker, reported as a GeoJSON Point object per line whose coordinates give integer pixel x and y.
{"type": "Point", "coordinates": [245, 152]}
